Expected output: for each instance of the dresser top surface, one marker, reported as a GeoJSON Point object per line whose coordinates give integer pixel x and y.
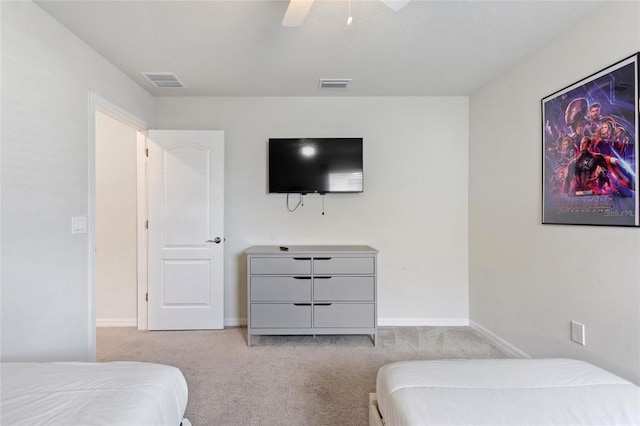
{"type": "Point", "coordinates": [310, 249]}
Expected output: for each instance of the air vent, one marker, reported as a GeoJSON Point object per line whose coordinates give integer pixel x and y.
{"type": "Point", "coordinates": [163, 79]}
{"type": "Point", "coordinates": [334, 83]}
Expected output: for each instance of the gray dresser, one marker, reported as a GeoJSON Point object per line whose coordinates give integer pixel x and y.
{"type": "Point", "coordinates": [311, 290]}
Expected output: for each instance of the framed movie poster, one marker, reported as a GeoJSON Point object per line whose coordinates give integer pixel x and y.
{"type": "Point", "coordinates": [590, 149]}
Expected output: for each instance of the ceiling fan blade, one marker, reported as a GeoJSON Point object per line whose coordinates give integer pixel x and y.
{"type": "Point", "coordinates": [296, 12]}
{"type": "Point", "coordinates": [395, 4]}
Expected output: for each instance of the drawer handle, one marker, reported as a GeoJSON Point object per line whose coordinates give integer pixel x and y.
{"type": "Point", "coordinates": [302, 304]}
{"type": "Point", "coordinates": [301, 258]}
{"type": "Point", "coordinates": [301, 278]}
{"type": "Point", "coordinates": [323, 258]}
{"type": "Point", "coordinates": [323, 304]}
{"type": "Point", "coordinates": [322, 278]}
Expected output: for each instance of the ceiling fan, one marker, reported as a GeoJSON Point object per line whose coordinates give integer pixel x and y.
{"type": "Point", "coordinates": [298, 9]}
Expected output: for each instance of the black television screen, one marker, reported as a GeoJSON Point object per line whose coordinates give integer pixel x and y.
{"type": "Point", "coordinates": [323, 165]}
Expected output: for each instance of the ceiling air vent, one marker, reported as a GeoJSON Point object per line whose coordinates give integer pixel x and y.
{"type": "Point", "coordinates": [334, 83]}
{"type": "Point", "coordinates": [163, 79]}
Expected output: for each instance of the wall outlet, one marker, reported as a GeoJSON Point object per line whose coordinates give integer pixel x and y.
{"type": "Point", "coordinates": [577, 332]}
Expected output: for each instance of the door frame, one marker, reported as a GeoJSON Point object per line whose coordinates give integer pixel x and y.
{"type": "Point", "coordinates": [98, 103]}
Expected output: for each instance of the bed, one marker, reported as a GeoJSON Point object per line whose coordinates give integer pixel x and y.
{"type": "Point", "coordinates": [79, 393]}
{"type": "Point", "coordinates": [501, 392]}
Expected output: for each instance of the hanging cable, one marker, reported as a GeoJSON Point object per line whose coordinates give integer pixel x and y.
{"type": "Point", "coordinates": [297, 205]}
{"type": "Point", "coordinates": [323, 194]}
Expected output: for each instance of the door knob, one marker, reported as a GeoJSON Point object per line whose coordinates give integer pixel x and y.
{"type": "Point", "coordinates": [215, 240]}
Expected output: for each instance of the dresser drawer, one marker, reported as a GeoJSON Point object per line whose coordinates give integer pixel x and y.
{"type": "Point", "coordinates": [342, 288]}
{"type": "Point", "coordinates": [343, 265]}
{"type": "Point", "coordinates": [280, 289]}
{"type": "Point", "coordinates": [280, 315]}
{"type": "Point", "coordinates": [280, 265]}
{"type": "Point", "coordinates": [339, 315]}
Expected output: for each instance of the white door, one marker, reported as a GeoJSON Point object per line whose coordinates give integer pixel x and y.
{"type": "Point", "coordinates": [186, 239]}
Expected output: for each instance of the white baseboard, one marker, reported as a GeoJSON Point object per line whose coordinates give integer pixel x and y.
{"type": "Point", "coordinates": [116, 322]}
{"type": "Point", "coordinates": [498, 341]}
{"type": "Point", "coordinates": [423, 322]}
{"type": "Point", "coordinates": [235, 322]}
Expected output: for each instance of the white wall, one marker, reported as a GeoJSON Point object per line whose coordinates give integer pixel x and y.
{"type": "Point", "coordinates": [413, 209]}
{"type": "Point", "coordinates": [528, 281]}
{"type": "Point", "coordinates": [116, 214]}
{"type": "Point", "coordinates": [47, 74]}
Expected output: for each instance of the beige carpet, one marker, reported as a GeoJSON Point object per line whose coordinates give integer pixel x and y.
{"type": "Point", "coordinates": [285, 380]}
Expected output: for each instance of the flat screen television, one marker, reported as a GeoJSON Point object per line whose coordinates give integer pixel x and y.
{"type": "Point", "coordinates": [322, 165]}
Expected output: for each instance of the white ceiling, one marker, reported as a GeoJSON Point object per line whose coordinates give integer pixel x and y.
{"type": "Point", "coordinates": [239, 48]}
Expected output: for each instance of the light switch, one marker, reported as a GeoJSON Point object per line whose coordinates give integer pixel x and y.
{"type": "Point", "coordinates": [78, 225]}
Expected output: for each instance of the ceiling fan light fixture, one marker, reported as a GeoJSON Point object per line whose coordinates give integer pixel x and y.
{"type": "Point", "coordinates": [296, 12]}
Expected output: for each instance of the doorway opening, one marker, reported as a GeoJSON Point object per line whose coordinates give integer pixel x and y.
{"type": "Point", "coordinates": [117, 212]}
{"type": "Point", "coordinates": [115, 223]}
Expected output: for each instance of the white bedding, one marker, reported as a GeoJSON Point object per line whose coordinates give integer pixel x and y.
{"type": "Point", "coordinates": [113, 393]}
{"type": "Point", "coordinates": [504, 392]}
